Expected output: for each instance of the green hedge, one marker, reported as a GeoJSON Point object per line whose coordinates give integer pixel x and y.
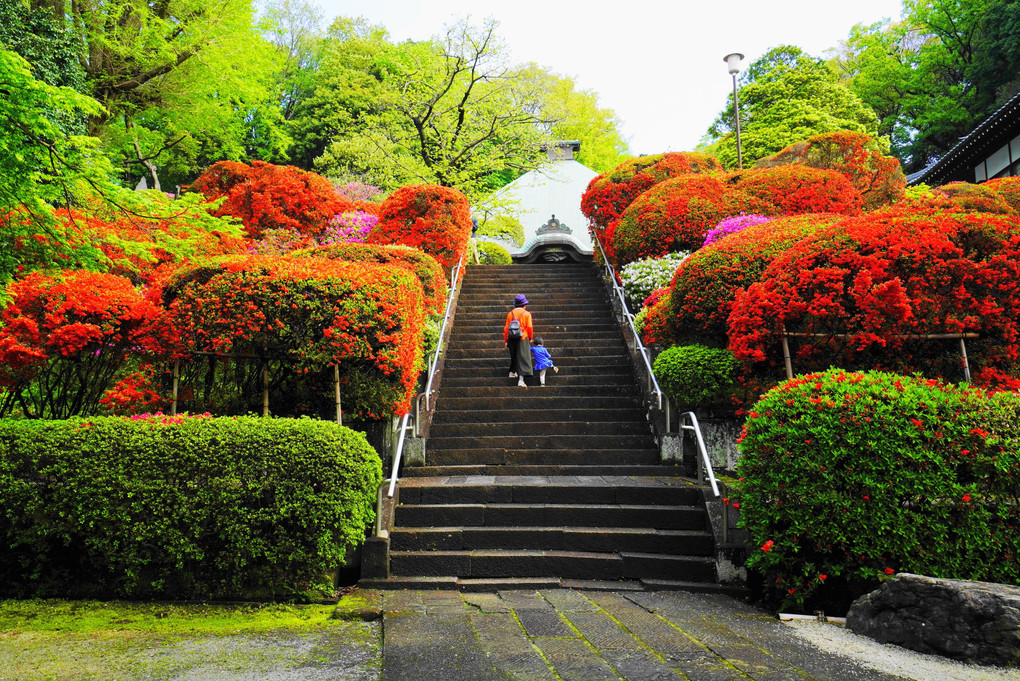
{"type": "Point", "coordinates": [166, 507]}
{"type": "Point", "coordinates": [849, 477]}
{"type": "Point", "coordinates": [490, 253]}
{"type": "Point", "coordinates": [695, 375]}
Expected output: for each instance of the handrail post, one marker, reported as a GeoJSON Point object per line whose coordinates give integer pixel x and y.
{"type": "Point", "coordinates": [703, 459]}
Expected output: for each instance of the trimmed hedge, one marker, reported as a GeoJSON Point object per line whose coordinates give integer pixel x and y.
{"type": "Point", "coordinates": [435, 219]}
{"type": "Point", "coordinates": [696, 376]}
{"type": "Point", "coordinates": [163, 507]}
{"type": "Point", "coordinates": [848, 477]}
{"type": "Point", "coordinates": [490, 253]}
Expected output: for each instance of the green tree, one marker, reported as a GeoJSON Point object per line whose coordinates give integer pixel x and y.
{"type": "Point", "coordinates": [786, 96]}
{"type": "Point", "coordinates": [42, 166]}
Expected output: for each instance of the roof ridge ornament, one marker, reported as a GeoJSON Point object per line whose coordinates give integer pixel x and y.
{"type": "Point", "coordinates": [554, 226]}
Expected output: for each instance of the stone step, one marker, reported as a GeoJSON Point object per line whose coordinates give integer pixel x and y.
{"type": "Point", "coordinates": [512, 413]}
{"type": "Point", "coordinates": [562, 564]}
{"type": "Point", "coordinates": [645, 516]}
{"type": "Point", "coordinates": [595, 489]}
{"type": "Point", "coordinates": [551, 390]}
{"type": "Point", "coordinates": [563, 379]}
{"type": "Point", "coordinates": [542, 442]}
{"type": "Point", "coordinates": [550, 470]}
{"type": "Point", "coordinates": [511, 456]}
{"type": "Point", "coordinates": [497, 584]}
{"type": "Point", "coordinates": [496, 366]}
{"type": "Point", "coordinates": [532, 400]}
{"type": "Point", "coordinates": [590, 539]}
{"type": "Point", "coordinates": [441, 431]}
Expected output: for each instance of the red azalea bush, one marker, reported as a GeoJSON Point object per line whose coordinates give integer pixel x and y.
{"type": "Point", "coordinates": [857, 288]}
{"type": "Point", "coordinates": [705, 285]}
{"type": "Point", "coordinates": [848, 477]}
{"type": "Point", "coordinates": [858, 156]}
{"type": "Point", "coordinates": [422, 265]}
{"type": "Point", "coordinates": [976, 197]}
{"type": "Point", "coordinates": [1008, 188]}
{"type": "Point", "coordinates": [797, 189]}
{"type": "Point", "coordinates": [657, 327]}
{"type": "Point", "coordinates": [268, 196]}
{"type": "Point", "coordinates": [676, 214]}
{"type": "Point", "coordinates": [435, 219]}
{"type": "Point", "coordinates": [64, 338]}
{"type": "Point", "coordinates": [306, 315]}
{"type": "Point", "coordinates": [609, 194]}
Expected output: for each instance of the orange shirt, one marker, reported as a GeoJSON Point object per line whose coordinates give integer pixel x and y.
{"type": "Point", "coordinates": [522, 316]}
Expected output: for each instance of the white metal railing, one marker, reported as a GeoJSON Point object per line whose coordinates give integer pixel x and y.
{"type": "Point", "coordinates": [704, 463]}
{"type": "Point", "coordinates": [653, 385]}
{"type": "Point", "coordinates": [433, 365]}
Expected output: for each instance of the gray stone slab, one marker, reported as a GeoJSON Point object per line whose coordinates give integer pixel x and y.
{"type": "Point", "coordinates": [524, 600]}
{"type": "Point", "coordinates": [508, 649]}
{"type": "Point", "coordinates": [433, 646]}
{"type": "Point", "coordinates": [601, 631]}
{"type": "Point", "coordinates": [393, 601]}
{"type": "Point", "coordinates": [544, 623]}
{"type": "Point", "coordinates": [640, 666]}
{"type": "Point", "coordinates": [573, 660]}
{"type": "Point", "coordinates": [567, 600]}
{"type": "Point", "coordinates": [653, 631]}
{"type": "Point", "coordinates": [442, 598]}
{"type": "Point", "coordinates": [485, 602]}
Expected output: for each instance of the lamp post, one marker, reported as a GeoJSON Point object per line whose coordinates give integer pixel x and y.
{"type": "Point", "coordinates": [733, 62]}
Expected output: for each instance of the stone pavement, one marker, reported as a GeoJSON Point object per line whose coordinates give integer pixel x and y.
{"type": "Point", "coordinates": [569, 635]}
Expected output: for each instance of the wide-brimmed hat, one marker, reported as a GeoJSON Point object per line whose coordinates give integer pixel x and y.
{"type": "Point", "coordinates": [520, 300]}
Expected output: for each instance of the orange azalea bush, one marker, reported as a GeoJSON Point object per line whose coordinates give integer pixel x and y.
{"type": "Point", "coordinates": [799, 189]}
{"type": "Point", "coordinates": [858, 156]}
{"type": "Point", "coordinates": [266, 196]}
{"type": "Point", "coordinates": [424, 266]}
{"type": "Point", "coordinates": [435, 219]}
{"type": "Point", "coordinates": [64, 337]}
{"type": "Point", "coordinates": [306, 315]}
{"type": "Point", "coordinates": [1008, 188]}
{"type": "Point", "coordinates": [860, 288]}
{"type": "Point", "coordinates": [982, 198]}
{"type": "Point", "coordinates": [675, 215]}
{"type": "Point", "coordinates": [705, 285]}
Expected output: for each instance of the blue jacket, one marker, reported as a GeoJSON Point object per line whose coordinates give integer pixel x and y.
{"type": "Point", "coordinates": [541, 356]}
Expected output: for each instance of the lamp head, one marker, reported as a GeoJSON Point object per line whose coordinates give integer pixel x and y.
{"type": "Point", "coordinates": [733, 62]}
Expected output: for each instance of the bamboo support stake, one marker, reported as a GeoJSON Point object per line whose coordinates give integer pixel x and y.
{"type": "Point", "coordinates": [786, 358]}
{"type": "Point", "coordinates": [336, 386]}
{"type": "Point", "coordinates": [966, 364]}
{"type": "Point", "coordinates": [265, 389]}
{"type": "Point", "coordinates": [177, 377]}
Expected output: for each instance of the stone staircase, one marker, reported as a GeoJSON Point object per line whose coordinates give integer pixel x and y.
{"type": "Point", "coordinates": [545, 486]}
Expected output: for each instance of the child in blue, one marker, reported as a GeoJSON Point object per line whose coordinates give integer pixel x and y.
{"type": "Point", "coordinates": [542, 360]}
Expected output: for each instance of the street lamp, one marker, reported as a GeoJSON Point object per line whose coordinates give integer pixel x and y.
{"type": "Point", "coordinates": [733, 62]}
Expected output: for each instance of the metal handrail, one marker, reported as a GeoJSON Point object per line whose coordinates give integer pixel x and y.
{"type": "Point", "coordinates": [704, 463]}
{"type": "Point", "coordinates": [653, 385]}
{"type": "Point", "coordinates": [398, 454]}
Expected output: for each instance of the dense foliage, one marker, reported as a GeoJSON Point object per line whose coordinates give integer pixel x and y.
{"type": "Point", "coordinates": [848, 477]}
{"type": "Point", "coordinates": [64, 337]}
{"type": "Point", "coordinates": [490, 253]}
{"type": "Point", "coordinates": [1008, 188]}
{"type": "Point", "coordinates": [642, 278]}
{"type": "Point", "coordinates": [435, 219]}
{"type": "Point", "coordinates": [733, 225]}
{"type": "Point", "coordinates": [301, 316]}
{"type": "Point", "coordinates": [976, 197]}
{"type": "Point", "coordinates": [857, 156]}
{"type": "Point", "coordinates": [160, 507]}
{"type": "Point", "coordinates": [860, 289]}
{"type": "Point", "coordinates": [794, 189]}
{"type": "Point", "coordinates": [503, 228]}
{"type": "Point", "coordinates": [696, 376]}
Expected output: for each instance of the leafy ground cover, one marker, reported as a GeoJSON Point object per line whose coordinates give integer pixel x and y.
{"type": "Point", "coordinates": [59, 639]}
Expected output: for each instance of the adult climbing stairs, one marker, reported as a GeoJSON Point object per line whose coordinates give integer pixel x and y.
{"type": "Point", "coordinates": [544, 486]}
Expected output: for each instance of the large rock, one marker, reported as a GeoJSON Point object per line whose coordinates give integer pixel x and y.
{"type": "Point", "coordinates": [971, 621]}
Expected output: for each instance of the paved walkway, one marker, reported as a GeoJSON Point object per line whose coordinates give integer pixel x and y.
{"type": "Point", "coordinates": [566, 635]}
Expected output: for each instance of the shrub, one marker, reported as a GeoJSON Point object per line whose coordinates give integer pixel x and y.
{"type": "Point", "coordinates": [1008, 188]}
{"type": "Point", "coordinates": [675, 215]}
{"type": "Point", "coordinates": [732, 225]}
{"type": "Point", "coordinates": [359, 191]}
{"type": "Point", "coordinates": [504, 228]}
{"type": "Point", "coordinates": [493, 254]}
{"type": "Point", "coordinates": [861, 288]}
{"type": "Point", "coordinates": [858, 156]}
{"type": "Point", "coordinates": [350, 227]}
{"type": "Point", "coordinates": [976, 197]}
{"type": "Point", "coordinates": [268, 196]}
{"type": "Point", "coordinates": [695, 376]}
{"type": "Point", "coordinates": [435, 219]}
{"type": "Point", "coordinates": [643, 277]}
{"type": "Point", "coordinates": [420, 264]}
{"type": "Point", "coordinates": [179, 507]}
{"type": "Point", "coordinates": [847, 477]}
{"type": "Point", "coordinates": [797, 189]}
{"type": "Point", "coordinates": [657, 327]}
{"type": "Point", "coordinates": [304, 315]}
{"type": "Point", "coordinates": [609, 194]}
{"type": "Point", "coordinates": [63, 339]}
{"type": "Point", "coordinates": [705, 285]}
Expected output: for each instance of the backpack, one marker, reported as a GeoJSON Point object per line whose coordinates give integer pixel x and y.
{"type": "Point", "coordinates": [515, 332]}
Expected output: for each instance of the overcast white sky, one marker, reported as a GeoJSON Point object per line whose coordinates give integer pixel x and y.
{"type": "Point", "coordinates": [658, 65]}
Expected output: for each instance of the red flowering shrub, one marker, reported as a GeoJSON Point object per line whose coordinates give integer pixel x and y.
{"type": "Point", "coordinates": [422, 265]}
{"type": "Point", "coordinates": [268, 196]}
{"type": "Point", "coordinates": [64, 338]}
{"type": "Point", "coordinates": [859, 286]}
{"type": "Point", "coordinates": [705, 285]}
{"type": "Point", "coordinates": [306, 315]}
{"type": "Point", "coordinates": [609, 194]}
{"type": "Point", "coordinates": [976, 197]}
{"type": "Point", "coordinates": [135, 394]}
{"type": "Point", "coordinates": [658, 323]}
{"type": "Point", "coordinates": [799, 189]}
{"type": "Point", "coordinates": [675, 215]}
{"type": "Point", "coordinates": [852, 475]}
{"type": "Point", "coordinates": [1008, 188]}
{"type": "Point", "coordinates": [859, 157]}
{"type": "Point", "coordinates": [435, 219]}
